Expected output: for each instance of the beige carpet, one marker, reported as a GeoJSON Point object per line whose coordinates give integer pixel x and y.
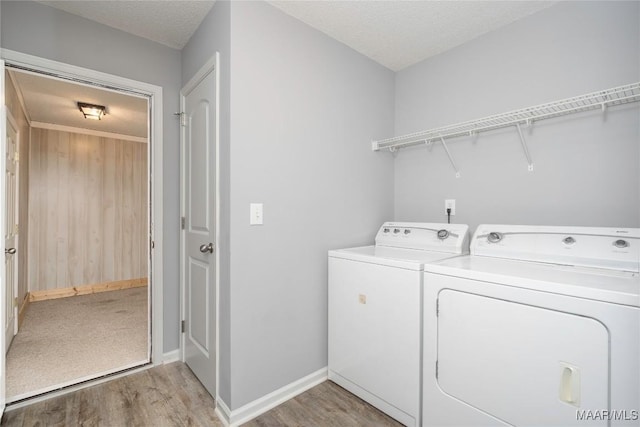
{"type": "Point", "coordinates": [66, 339]}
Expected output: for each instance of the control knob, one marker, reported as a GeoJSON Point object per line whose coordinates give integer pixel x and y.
{"type": "Point", "coordinates": [494, 237]}
{"type": "Point", "coordinates": [443, 234]}
{"type": "Point", "coordinates": [621, 243]}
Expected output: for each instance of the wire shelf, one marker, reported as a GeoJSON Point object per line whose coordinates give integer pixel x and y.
{"type": "Point", "coordinates": [525, 116]}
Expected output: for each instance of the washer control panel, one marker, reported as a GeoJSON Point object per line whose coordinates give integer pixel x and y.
{"type": "Point", "coordinates": [602, 247]}
{"type": "Point", "coordinates": [451, 238]}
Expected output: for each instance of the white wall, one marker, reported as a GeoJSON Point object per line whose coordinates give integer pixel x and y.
{"type": "Point", "coordinates": [303, 110]}
{"type": "Point", "coordinates": [33, 28]}
{"type": "Point", "coordinates": [586, 166]}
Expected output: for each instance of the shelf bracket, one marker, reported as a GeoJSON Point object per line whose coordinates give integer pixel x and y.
{"type": "Point", "coordinates": [524, 147]}
{"type": "Point", "coordinates": [605, 98]}
{"type": "Point", "coordinates": [453, 163]}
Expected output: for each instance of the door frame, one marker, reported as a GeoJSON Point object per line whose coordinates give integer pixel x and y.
{"type": "Point", "coordinates": [154, 171]}
{"type": "Point", "coordinates": [9, 118]}
{"type": "Point", "coordinates": [3, 148]}
{"type": "Point", "coordinates": [211, 66]}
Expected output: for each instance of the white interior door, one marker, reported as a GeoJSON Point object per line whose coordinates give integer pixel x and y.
{"type": "Point", "coordinates": [3, 283]}
{"type": "Point", "coordinates": [199, 251]}
{"type": "Point", "coordinates": [11, 230]}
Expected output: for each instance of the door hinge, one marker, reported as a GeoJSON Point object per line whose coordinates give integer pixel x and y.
{"type": "Point", "coordinates": [437, 307]}
{"type": "Point", "coordinates": [183, 118]}
{"type": "Point", "coordinates": [15, 302]}
{"type": "Point", "coordinates": [183, 221]}
{"type": "Point", "coordinates": [182, 326]}
{"type": "Point", "coordinates": [17, 156]}
{"type": "Point", "coordinates": [153, 244]}
{"type": "Point", "coordinates": [436, 369]}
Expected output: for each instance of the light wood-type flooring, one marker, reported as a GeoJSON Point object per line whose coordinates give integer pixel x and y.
{"type": "Point", "coordinates": [170, 395]}
{"type": "Point", "coordinates": [325, 405]}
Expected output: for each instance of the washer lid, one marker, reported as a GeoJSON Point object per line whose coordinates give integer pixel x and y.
{"type": "Point", "coordinates": [611, 248]}
{"type": "Point", "coordinates": [410, 259]}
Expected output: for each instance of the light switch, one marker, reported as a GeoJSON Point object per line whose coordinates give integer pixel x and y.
{"type": "Point", "coordinates": [255, 214]}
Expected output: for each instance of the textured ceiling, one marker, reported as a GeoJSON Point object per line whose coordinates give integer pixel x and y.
{"type": "Point", "coordinates": [169, 22]}
{"type": "Point", "coordinates": [398, 34]}
{"type": "Point", "coordinates": [53, 101]}
{"type": "Point", "coordinates": [393, 33]}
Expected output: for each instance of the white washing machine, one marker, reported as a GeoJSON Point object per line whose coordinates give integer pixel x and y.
{"type": "Point", "coordinates": [538, 326]}
{"type": "Point", "coordinates": [375, 313]}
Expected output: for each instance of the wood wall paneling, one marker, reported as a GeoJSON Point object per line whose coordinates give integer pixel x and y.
{"type": "Point", "coordinates": [88, 210]}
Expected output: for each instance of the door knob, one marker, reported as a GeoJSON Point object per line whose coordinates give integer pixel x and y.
{"type": "Point", "coordinates": [10, 251]}
{"type": "Point", "coordinates": [206, 248]}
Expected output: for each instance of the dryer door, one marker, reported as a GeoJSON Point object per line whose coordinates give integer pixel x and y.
{"type": "Point", "coordinates": [523, 364]}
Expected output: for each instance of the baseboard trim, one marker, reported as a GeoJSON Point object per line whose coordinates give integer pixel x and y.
{"type": "Point", "coordinates": [86, 289]}
{"type": "Point", "coordinates": [259, 406]}
{"type": "Point", "coordinates": [171, 356]}
{"type": "Point", "coordinates": [23, 309]}
{"type": "Point", "coordinates": [223, 412]}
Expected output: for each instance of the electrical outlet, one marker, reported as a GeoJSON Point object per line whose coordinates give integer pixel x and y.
{"type": "Point", "coordinates": [450, 204]}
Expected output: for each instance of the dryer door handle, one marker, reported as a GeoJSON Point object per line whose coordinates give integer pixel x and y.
{"type": "Point", "coordinates": [569, 384]}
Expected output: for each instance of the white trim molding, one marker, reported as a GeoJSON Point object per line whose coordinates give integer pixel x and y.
{"type": "Point", "coordinates": [171, 356]}
{"type": "Point", "coordinates": [223, 412]}
{"type": "Point", "coordinates": [153, 93]}
{"type": "Point", "coordinates": [79, 75]}
{"type": "Point", "coordinates": [91, 132]}
{"type": "Point", "coordinates": [3, 305]}
{"type": "Point", "coordinates": [212, 64]}
{"type": "Point", "coordinates": [259, 406]}
{"type": "Point", "coordinates": [78, 386]}
{"type": "Point", "coordinates": [18, 90]}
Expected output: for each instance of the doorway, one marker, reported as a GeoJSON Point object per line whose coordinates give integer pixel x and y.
{"type": "Point", "coordinates": [83, 226]}
{"type": "Point", "coordinates": [90, 184]}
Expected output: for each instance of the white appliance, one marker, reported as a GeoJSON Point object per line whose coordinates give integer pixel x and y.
{"type": "Point", "coordinates": [375, 313]}
{"type": "Point", "coordinates": [539, 326]}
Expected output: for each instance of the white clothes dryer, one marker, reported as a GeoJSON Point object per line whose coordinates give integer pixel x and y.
{"type": "Point", "coordinates": [538, 326]}
{"type": "Point", "coordinates": [375, 313]}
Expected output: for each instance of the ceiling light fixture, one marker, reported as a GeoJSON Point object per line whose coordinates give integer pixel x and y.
{"type": "Point", "coordinates": [92, 111]}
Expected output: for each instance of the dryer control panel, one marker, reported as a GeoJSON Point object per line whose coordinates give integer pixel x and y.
{"type": "Point", "coordinates": [450, 238]}
{"type": "Point", "coordinates": [602, 247]}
